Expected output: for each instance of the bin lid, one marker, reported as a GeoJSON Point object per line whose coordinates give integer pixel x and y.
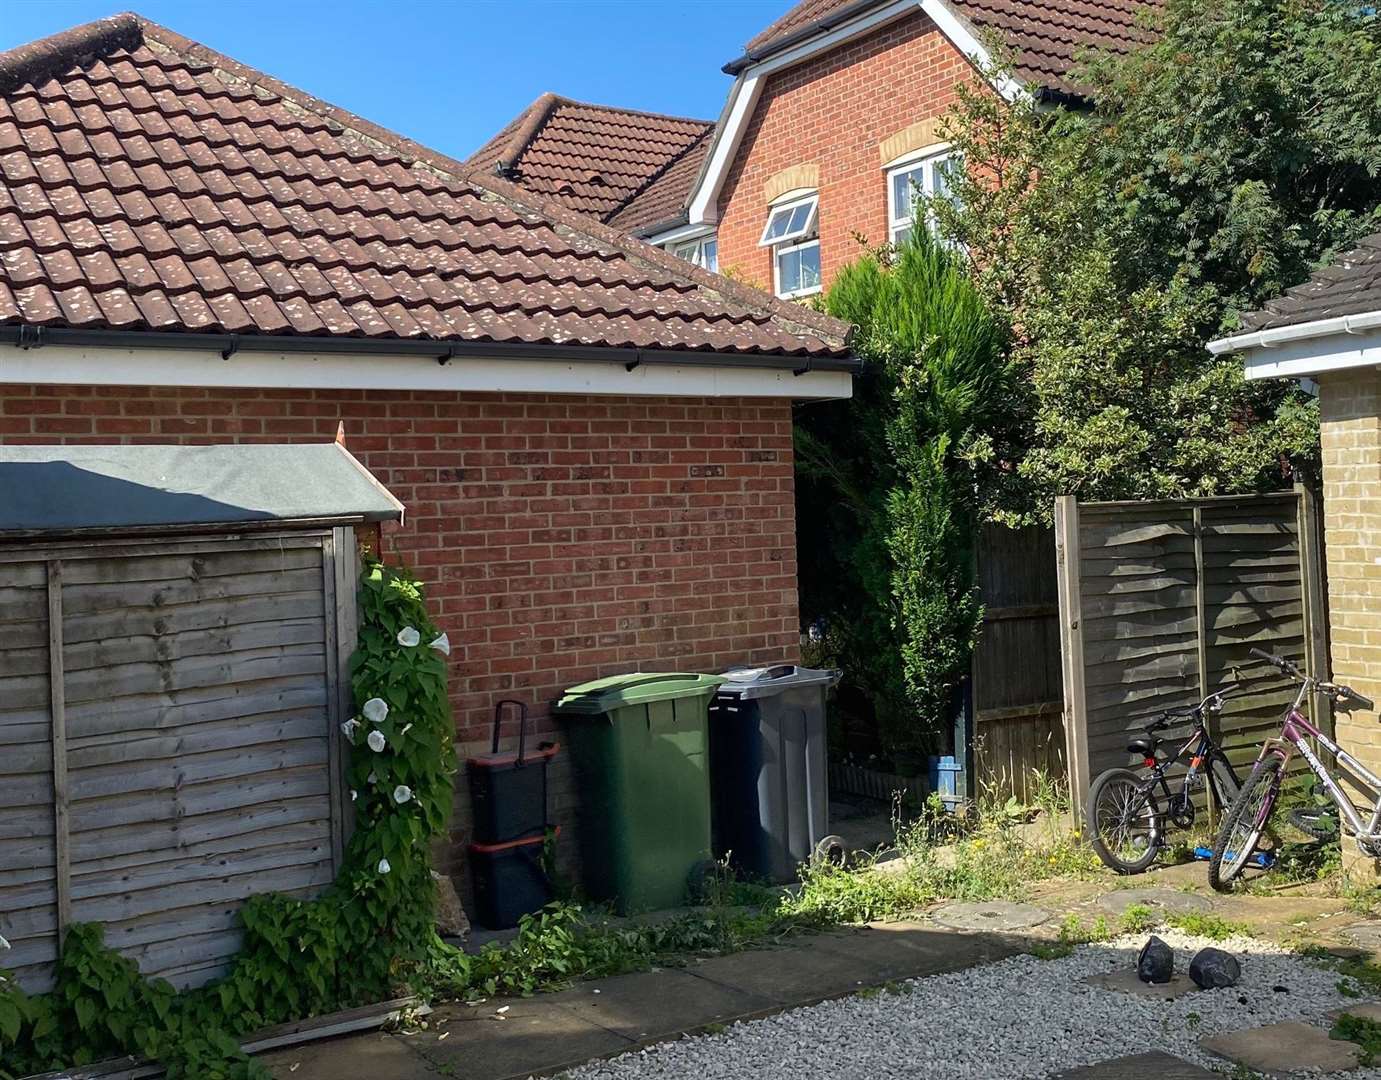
{"type": "Point", "coordinates": [766, 681]}
{"type": "Point", "coordinates": [635, 688]}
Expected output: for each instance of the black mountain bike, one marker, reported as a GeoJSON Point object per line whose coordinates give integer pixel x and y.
{"type": "Point", "coordinates": [1129, 811]}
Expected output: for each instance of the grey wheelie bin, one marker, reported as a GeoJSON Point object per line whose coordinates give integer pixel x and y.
{"type": "Point", "coordinates": [768, 769]}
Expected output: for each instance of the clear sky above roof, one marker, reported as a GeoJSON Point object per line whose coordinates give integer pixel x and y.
{"type": "Point", "coordinates": [450, 74]}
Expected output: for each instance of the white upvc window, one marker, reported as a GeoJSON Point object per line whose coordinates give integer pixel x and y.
{"type": "Point", "coordinates": [791, 233]}
{"type": "Point", "coordinates": [928, 175]}
{"type": "Point", "coordinates": [702, 251]}
{"type": "Point", "coordinates": [790, 220]}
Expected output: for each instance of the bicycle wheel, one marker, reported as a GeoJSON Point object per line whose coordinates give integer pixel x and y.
{"type": "Point", "coordinates": [1243, 824]}
{"type": "Point", "coordinates": [1224, 781]}
{"type": "Point", "coordinates": [1123, 821]}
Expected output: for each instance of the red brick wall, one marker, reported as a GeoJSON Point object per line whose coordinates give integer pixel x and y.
{"type": "Point", "coordinates": [561, 538]}
{"type": "Point", "coordinates": [835, 110]}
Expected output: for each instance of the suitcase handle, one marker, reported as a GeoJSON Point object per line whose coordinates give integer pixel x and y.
{"type": "Point", "coordinates": [522, 726]}
{"type": "Point", "coordinates": [780, 671]}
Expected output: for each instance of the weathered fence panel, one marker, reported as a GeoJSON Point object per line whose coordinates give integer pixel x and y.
{"type": "Point", "coordinates": [172, 708]}
{"type": "Point", "coordinates": [1017, 692]}
{"type": "Point", "coordinates": [1161, 601]}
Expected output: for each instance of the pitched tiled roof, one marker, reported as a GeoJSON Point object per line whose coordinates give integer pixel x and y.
{"type": "Point", "coordinates": [1351, 285]}
{"type": "Point", "coordinates": [147, 183]}
{"type": "Point", "coordinates": [601, 160]}
{"type": "Point", "coordinates": [1046, 36]}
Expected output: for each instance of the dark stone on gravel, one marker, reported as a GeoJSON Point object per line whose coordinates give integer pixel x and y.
{"type": "Point", "coordinates": [1213, 968]}
{"type": "Point", "coordinates": [1156, 962]}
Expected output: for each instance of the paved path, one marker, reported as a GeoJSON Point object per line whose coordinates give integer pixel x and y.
{"type": "Point", "coordinates": [547, 1033]}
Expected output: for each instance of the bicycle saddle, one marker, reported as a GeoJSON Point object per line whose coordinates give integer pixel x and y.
{"type": "Point", "coordinates": [1144, 747]}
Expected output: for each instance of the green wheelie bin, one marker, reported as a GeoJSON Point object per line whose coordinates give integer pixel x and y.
{"type": "Point", "coordinates": [640, 745]}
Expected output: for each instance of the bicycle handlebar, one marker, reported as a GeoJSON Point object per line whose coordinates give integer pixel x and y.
{"type": "Point", "coordinates": [1338, 691]}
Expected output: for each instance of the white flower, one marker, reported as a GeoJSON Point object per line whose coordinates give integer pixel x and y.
{"type": "Point", "coordinates": [441, 643]}
{"type": "Point", "coordinates": [3, 943]}
{"type": "Point", "coordinates": [406, 729]}
{"type": "Point", "coordinates": [354, 794]}
{"type": "Point", "coordinates": [349, 728]}
{"type": "Point", "coordinates": [373, 777]}
{"type": "Point", "coordinates": [408, 637]}
{"type": "Point", "coordinates": [384, 868]}
{"type": "Point", "coordinates": [377, 742]}
{"type": "Point", "coordinates": [375, 710]}
{"type": "Point", "coordinates": [402, 793]}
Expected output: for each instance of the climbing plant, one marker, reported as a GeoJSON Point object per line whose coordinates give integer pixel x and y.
{"type": "Point", "coordinates": [367, 937]}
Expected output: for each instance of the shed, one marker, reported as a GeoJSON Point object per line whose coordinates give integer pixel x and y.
{"type": "Point", "coordinates": [175, 628]}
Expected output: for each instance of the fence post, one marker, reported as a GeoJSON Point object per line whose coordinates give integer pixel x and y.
{"type": "Point", "coordinates": [1315, 603]}
{"type": "Point", "coordinates": [1072, 650]}
{"type": "Point", "coordinates": [1201, 620]}
{"type": "Point", "coordinates": [57, 712]}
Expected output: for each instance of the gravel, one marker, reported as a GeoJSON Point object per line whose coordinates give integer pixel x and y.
{"type": "Point", "coordinates": [1018, 1018]}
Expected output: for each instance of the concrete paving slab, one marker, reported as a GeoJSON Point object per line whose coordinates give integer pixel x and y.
{"type": "Point", "coordinates": [650, 1004]}
{"type": "Point", "coordinates": [796, 976]}
{"type": "Point", "coordinates": [1367, 1010]}
{"type": "Point", "coordinates": [1153, 1065]}
{"type": "Point", "coordinates": [376, 1055]}
{"type": "Point", "coordinates": [535, 1035]}
{"type": "Point", "coordinates": [991, 915]}
{"type": "Point", "coordinates": [1126, 982]}
{"type": "Point", "coordinates": [1162, 901]}
{"type": "Point", "coordinates": [1365, 935]}
{"type": "Point", "coordinates": [1283, 1049]}
{"type": "Point", "coordinates": [907, 950]}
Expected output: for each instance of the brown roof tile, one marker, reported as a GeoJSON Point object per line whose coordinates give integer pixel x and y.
{"type": "Point", "coordinates": [148, 183]}
{"type": "Point", "coordinates": [612, 163]}
{"type": "Point", "coordinates": [1350, 285]}
{"type": "Point", "coordinates": [1046, 37]}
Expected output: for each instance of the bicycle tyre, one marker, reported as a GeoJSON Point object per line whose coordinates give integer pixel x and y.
{"type": "Point", "coordinates": [1308, 822]}
{"type": "Point", "coordinates": [1100, 797]}
{"type": "Point", "coordinates": [1238, 837]}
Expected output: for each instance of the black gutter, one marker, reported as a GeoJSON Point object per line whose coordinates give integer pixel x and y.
{"type": "Point", "coordinates": [820, 25]}
{"type": "Point", "coordinates": [34, 337]}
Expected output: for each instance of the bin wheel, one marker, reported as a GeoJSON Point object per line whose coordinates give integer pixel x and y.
{"type": "Point", "coordinates": [703, 880]}
{"type": "Point", "coordinates": [830, 851]}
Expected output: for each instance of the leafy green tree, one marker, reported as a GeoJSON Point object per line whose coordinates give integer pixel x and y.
{"type": "Point", "coordinates": [1221, 163]}
{"type": "Point", "coordinates": [896, 473]}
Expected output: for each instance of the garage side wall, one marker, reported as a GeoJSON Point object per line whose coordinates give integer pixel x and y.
{"type": "Point", "coordinates": [1351, 433]}
{"type": "Point", "coordinates": [561, 538]}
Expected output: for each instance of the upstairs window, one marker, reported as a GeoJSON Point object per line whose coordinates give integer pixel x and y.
{"type": "Point", "coordinates": [791, 233]}
{"type": "Point", "coordinates": [928, 176]}
{"type": "Point", "coordinates": [703, 251]}
{"type": "Point", "coordinates": [790, 221]}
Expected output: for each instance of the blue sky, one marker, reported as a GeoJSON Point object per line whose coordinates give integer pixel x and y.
{"type": "Point", "coordinates": [450, 74]}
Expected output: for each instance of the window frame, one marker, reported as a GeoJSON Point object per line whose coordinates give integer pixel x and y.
{"type": "Point", "coordinates": [693, 251]}
{"type": "Point", "coordinates": [788, 207]}
{"type": "Point", "coordinates": [778, 250]}
{"type": "Point", "coordinates": [927, 161]}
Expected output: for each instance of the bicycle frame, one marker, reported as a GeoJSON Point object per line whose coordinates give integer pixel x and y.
{"type": "Point", "coordinates": [1295, 732]}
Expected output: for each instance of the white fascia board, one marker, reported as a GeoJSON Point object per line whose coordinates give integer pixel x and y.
{"type": "Point", "coordinates": [1311, 357]}
{"type": "Point", "coordinates": [679, 235]}
{"type": "Point", "coordinates": [747, 88]}
{"type": "Point", "coordinates": [1284, 335]}
{"type": "Point", "coordinates": [113, 366]}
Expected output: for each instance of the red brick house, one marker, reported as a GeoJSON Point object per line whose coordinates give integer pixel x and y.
{"type": "Point", "coordinates": [832, 118]}
{"type": "Point", "coordinates": [592, 438]}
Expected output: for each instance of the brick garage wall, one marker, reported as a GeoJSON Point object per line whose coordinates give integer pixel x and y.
{"type": "Point", "coordinates": [834, 111]}
{"type": "Point", "coordinates": [561, 538]}
{"type": "Point", "coordinates": [1351, 433]}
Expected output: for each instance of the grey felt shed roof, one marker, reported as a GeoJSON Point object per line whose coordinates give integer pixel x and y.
{"type": "Point", "coordinates": [65, 489]}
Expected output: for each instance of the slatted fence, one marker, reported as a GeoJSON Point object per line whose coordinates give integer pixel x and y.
{"type": "Point", "coordinates": [167, 713]}
{"type": "Point", "coordinates": [1160, 601]}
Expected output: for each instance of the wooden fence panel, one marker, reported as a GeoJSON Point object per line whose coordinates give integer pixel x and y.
{"type": "Point", "coordinates": [1017, 696]}
{"type": "Point", "coordinates": [168, 718]}
{"type": "Point", "coordinates": [28, 850]}
{"type": "Point", "coordinates": [1165, 599]}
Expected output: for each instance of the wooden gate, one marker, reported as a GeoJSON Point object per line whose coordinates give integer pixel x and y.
{"type": "Point", "coordinates": [167, 740]}
{"type": "Point", "coordinates": [1017, 694]}
{"type": "Point", "coordinates": [1160, 601]}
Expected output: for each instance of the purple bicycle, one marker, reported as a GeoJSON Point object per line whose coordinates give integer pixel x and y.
{"type": "Point", "coordinates": [1247, 817]}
